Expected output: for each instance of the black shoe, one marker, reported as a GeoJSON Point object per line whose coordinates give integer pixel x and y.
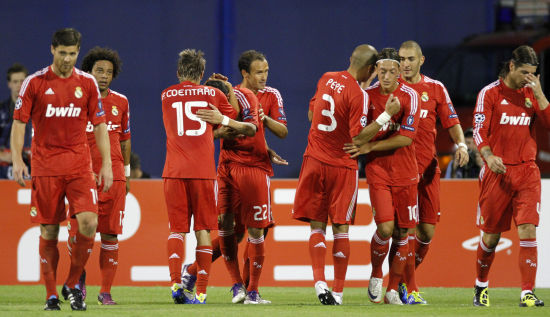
{"type": "Point", "coordinates": [65, 291]}
{"type": "Point", "coordinates": [481, 297]}
{"type": "Point", "coordinates": [52, 304]}
{"type": "Point", "coordinates": [530, 300]}
{"type": "Point", "coordinates": [75, 297]}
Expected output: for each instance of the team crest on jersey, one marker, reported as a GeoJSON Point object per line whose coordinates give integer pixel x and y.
{"type": "Point", "coordinates": [528, 103]}
{"type": "Point", "coordinates": [363, 121]}
{"type": "Point", "coordinates": [78, 92]}
{"type": "Point", "coordinates": [18, 103]}
{"type": "Point", "coordinates": [114, 111]}
{"type": "Point", "coordinates": [33, 211]}
{"type": "Point", "coordinates": [425, 97]}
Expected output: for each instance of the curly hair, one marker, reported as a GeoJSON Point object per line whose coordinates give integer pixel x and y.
{"type": "Point", "coordinates": [101, 54]}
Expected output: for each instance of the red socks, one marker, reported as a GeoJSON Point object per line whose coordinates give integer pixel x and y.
{"type": "Point", "coordinates": [81, 248]}
{"type": "Point", "coordinates": [256, 257]}
{"type": "Point", "coordinates": [409, 276]}
{"type": "Point", "coordinates": [108, 264]}
{"type": "Point", "coordinates": [203, 255]}
{"type": "Point", "coordinates": [485, 257]}
{"type": "Point", "coordinates": [228, 247]}
{"type": "Point", "coordinates": [398, 263]}
{"type": "Point", "coordinates": [421, 248]}
{"type": "Point", "coordinates": [378, 251]}
{"type": "Point", "coordinates": [174, 250]}
{"type": "Point", "coordinates": [528, 263]}
{"type": "Point", "coordinates": [317, 251]}
{"type": "Point", "coordinates": [340, 256]}
{"type": "Point", "coordinates": [49, 257]}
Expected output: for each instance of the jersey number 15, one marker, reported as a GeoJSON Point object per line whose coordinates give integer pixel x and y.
{"type": "Point", "coordinates": [179, 117]}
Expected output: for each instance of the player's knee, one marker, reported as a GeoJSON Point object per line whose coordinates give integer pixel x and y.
{"type": "Point", "coordinates": [527, 231]}
{"type": "Point", "coordinates": [49, 232]}
{"type": "Point", "coordinates": [385, 230]}
{"type": "Point", "coordinates": [256, 233]}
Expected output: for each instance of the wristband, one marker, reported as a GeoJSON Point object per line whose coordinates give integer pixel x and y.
{"type": "Point", "coordinates": [127, 170]}
{"type": "Point", "coordinates": [383, 118]}
{"type": "Point", "coordinates": [462, 145]}
{"type": "Point", "coordinates": [225, 120]}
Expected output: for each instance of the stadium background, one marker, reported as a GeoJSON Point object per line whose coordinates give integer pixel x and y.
{"type": "Point", "coordinates": [301, 39]}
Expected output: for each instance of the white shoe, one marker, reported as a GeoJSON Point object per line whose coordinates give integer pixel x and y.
{"type": "Point", "coordinates": [375, 289]}
{"type": "Point", "coordinates": [338, 298]}
{"type": "Point", "coordinates": [392, 298]}
{"type": "Point", "coordinates": [253, 297]}
{"type": "Point", "coordinates": [239, 293]}
{"type": "Point", "coordinates": [324, 294]}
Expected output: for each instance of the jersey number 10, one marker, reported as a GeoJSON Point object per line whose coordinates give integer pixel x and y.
{"type": "Point", "coordinates": [179, 117]}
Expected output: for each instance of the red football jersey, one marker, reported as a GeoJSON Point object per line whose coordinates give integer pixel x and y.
{"type": "Point", "coordinates": [434, 102]}
{"type": "Point", "coordinates": [504, 120]}
{"type": "Point", "coordinates": [340, 109]}
{"type": "Point", "coordinates": [396, 167]}
{"type": "Point", "coordinates": [59, 109]}
{"type": "Point", "coordinates": [272, 104]}
{"type": "Point", "coordinates": [189, 140]}
{"type": "Point", "coordinates": [117, 115]}
{"type": "Point", "coordinates": [248, 151]}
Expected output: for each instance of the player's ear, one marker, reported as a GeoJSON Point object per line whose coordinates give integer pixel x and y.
{"type": "Point", "coordinates": [422, 59]}
{"type": "Point", "coordinates": [244, 73]}
{"type": "Point", "coordinates": [52, 49]}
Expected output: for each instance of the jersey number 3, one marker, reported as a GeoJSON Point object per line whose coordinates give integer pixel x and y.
{"type": "Point", "coordinates": [328, 113]}
{"type": "Point", "coordinates": [179, 117]}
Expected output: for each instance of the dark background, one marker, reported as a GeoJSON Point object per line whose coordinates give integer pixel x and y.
{"type": "Point", "coordinates": [301, 39]}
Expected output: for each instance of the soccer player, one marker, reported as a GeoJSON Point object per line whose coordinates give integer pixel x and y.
{"type": "Point", "coordinates": [60, 100]}
{"type": "Point", "coordinates": [504, 132]}
{"type": "Point", "coordinates": [392, 174]}
{"type": "Point", "coordinates": [434, 103]}
{"type": "Point", "coordinates": [105, 64]}
{"type": "Point", "coordinates": [328, 181]}
{"type": "Point", "coordinates": [189, 170]}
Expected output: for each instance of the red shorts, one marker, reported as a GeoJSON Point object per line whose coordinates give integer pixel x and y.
{"type": "Point", "coordinates": [325, 191]}
{"type": "Point", "coordinates": [428, 196]}
{"type": "Point", "coordinates": [191, 197]}
{"type": "Point", "coordinates": [512, 195]}
{"type": "Point", "coordinates": [390, 203]}
{"type": "Point", "coordinates": [48, 196]}
{"type": "Point", "coordinates": [245, 192]}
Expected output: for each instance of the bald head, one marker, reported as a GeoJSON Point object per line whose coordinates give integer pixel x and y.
{"type": "Point", "coordinates": [412, 45]}
{"type": "Point", "coordinates": [363, 55]}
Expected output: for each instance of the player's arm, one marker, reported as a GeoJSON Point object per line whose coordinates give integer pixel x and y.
{"type": "Point", "coordinates": [104, 147]}
{"type": "Point", "coordinates": [279, 129]}
{"type": "Point", "coordinates": [461, 154]}
{"type": "Point", "coordinates": [126, 148]}
{"type": "Point", "coordinates": [17, 139]}
{"type": "Point", "coordinates": [274, 157]}
{"type": "Point", "coordinates": [482, 119]}
{"type": "Point", "coordinates": [214, 116]}
{"type": "Point", "coordinates": [392, 143]}
{"type": "Point", "coordinates": [494, 162]}
{"type": "Point", "coordinates": [392, 107]}
{"type": "Point", "coordinates": [542, 101]}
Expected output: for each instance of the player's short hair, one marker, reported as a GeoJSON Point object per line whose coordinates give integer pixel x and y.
{"type": "Point", "coordinates": [411, 45]}
{"type": "Point", "coordinates": [218, 84]}
{"type": "Point", "coordinates": [191, 64]}
{"type": "Point", "coordinates": [17, 68]}
{"type": "Point", "coordinates": [388, 53]}
{"type": "Point", "coordinates": [101, 54]}
{"type": "Point", "coordinates": [66, 37]}
{"type": "Point", "coordinates": [247, 57]}
{"type": "Point", "coordinates": [469, 133]}
{"type": "Point", "coordinates": [523, 55]}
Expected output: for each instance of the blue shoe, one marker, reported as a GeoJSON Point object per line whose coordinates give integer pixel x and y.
{"type": "Point", "coordinates": [200, 299]}
{"type": "Point", "coordinates": [177, 294]}
{"type": "Point", "coordinates": [416, 299]}
{"type": "Point", "coordinates": [403, 294]}
{"type": "Point", "coordinates": [188, 280]}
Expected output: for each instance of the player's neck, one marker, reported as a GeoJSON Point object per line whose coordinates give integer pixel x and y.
{"type": "Point", "coordinates": [414, 79]}
{"type": "Point", "coordinates": [104, 93]}
{"type": "Point", "coordinates": [14, 98]}
{"type": "Point", "coordinates": [60, 74]}
{"type": "Point", "coordinates": [245, 84]}
{"type": "Point", "coordinates": [509, 83]}
{"type": "Point", "coordinates": [352, 72]}
{"type": "Point", "coordinates": [388, 91]}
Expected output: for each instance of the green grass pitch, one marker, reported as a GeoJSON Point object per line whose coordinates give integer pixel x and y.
{"type": "Point", "coordinates": [294, 301]}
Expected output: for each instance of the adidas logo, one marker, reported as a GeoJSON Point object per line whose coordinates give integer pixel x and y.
{"type": "Point", "coordinates": [43, 260]}
{"type": "Point", "coordinates": [339, 254]}
{"type": "Point", "coordinates": [49, 92]}
{"type": "Point", "coordinates": [504, 102]}
{"type": "Point", "coordinates": [320, 245]}
{"type": "Point", "coordinates": [174, 256]}
{"type": "Point", "coordinates": [202, 272]}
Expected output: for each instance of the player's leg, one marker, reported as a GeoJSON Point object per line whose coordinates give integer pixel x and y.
{"type": "Point", "coordinates": [82, 195]}
{"type": "Point", "coordinates": [203, 254]}
{"type": "Point", "coordinates": [526, 204]}
{"type": "Point", "coordinates": [179, 217]}
{"type": "Point", "coordinates": [48, 209]}
{"type": "Point", "coordinates": [428, 211]}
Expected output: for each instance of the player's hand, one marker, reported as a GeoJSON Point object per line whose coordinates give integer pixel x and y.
{"type": "Point", "coordinates": [213, 116]}
{"type": "Point", "coordinates": [106, 177]}
{"type": "Point", "coordinates": [461, 156]}
{"type": "Point", "coordinates": [534, 83]}
{"type": "Point", "coordinates": [20, 171]}
{"type": "Point", "coordinates": [356, 150]}
{"type": "Point", "coordinates": [127, 185]}
{"type": "Point", "coordinates": [226, 133]}
{"type": "Point", "coordinates": [275, 158]}
{"type": "Point", "coordinates": [261, 114]}
{"type": "Point", "coordinates": [393, 106]}
{"type": "Point", "coordinates": [495, 164]}
{"type": "Point", "coordinates": [216, 76]}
